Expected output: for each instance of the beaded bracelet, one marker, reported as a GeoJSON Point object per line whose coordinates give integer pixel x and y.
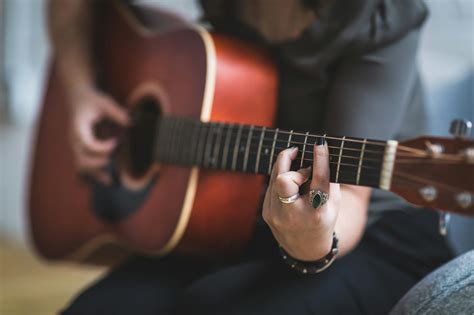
{"type": "Point", "coordinates": [312, 267]}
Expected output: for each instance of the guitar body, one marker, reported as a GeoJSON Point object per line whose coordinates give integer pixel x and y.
{"type": "Point", "coordinates": [183, 71]}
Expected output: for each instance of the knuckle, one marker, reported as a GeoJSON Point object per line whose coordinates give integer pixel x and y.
{"type": "Point", "coordinates": [321, 152]}
{"type": "Point", "coordinates": [281, 183]}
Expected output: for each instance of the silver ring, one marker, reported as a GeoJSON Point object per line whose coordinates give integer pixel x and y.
{"type": "Point", "coordinates": [291, 199]}
{"type": "Point", "coordinates": [317, 198]}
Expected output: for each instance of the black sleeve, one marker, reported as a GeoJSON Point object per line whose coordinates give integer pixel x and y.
{"type": "Point", "coordinates": [370, 94]}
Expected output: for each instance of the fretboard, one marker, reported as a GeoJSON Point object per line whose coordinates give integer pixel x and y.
{"type": "Point", "coordinates": [254, 149]}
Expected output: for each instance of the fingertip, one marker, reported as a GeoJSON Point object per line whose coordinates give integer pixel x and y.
{"type": "Point", "coordinates": [293, 152]}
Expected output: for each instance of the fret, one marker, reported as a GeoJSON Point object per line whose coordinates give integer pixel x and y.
{"type": "Point", "coordinates": [194, 141]}
{"type": "Point", "coordinates": [208, 147]}
{"type": "Point", "coordinates": [272, 152]}
{"type": "Point", "coordinates": [179, 145]}
{"type": "Point", "coordinates": [289, 138]}
{"type": "Point", "coordinates": [201, 143]}
{"type": "Point", "coordinates": [159, 148]}
{"type": "Point", "coordinates": [236, 147]}
{"type": "Point", "coordinates": [262, 135]}
{"type": "Point", "coordinates": [169, 149]}
{"type": "Point", "coordinates": [304, 149]}
{"type": "Point", "coordinates": [217, 145]}
{"type": "Point", "coordinates": [247, 148]}
{"type": "Point", "coordinates": [187, 137]}
{"type": "Point", "coordinates": [226, 146]}
{"type": "Point", "coordinates": [254, 149]}
{"type": "Point", "coordinates": [339, 159]}
{"type": "Point", "coordinates": [361, 158]}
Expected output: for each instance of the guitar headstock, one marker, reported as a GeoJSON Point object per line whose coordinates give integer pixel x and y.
{"type": "Point", "coordinates": [437, 172]}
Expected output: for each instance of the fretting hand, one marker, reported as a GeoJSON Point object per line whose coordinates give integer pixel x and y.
{"type": "Point", "coordinates": [303, 231]}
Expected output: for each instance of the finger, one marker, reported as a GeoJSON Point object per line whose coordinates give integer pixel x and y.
{"type": "Point", "coordinates": [88, 140]}
{"type": "Point", "coordinates": [320, 178]}
{"type": "Point", "coordinates": [113, 111]}
{"type": "Point", "coordinates": [283, 162]}
{"type": "Point", "coordinates": [288, 184]}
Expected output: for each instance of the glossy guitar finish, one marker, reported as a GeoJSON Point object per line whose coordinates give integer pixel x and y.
{"type": "Point", "coordinates": [190, 80]}
{"type": "Point", "coordinates": [180, 212]}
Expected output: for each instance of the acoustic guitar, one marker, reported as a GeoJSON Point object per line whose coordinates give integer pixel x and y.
{"type": "Point", "coordinates": [191, 169]}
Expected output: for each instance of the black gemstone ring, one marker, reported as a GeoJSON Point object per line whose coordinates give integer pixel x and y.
{"type": "Point", "coordinates": [317, 198]}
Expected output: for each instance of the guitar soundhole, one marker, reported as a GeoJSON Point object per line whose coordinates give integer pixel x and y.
{"type": "Point", "coordinates": [141, 136]}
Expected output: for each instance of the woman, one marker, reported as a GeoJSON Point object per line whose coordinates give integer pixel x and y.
{"type": "Point", "coordinates": [345, 68]}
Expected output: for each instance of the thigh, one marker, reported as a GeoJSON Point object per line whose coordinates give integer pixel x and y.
{"type": "Point", "coordinates": [138, 286]}
{"type": "Point", "coordinates": [393, 255]}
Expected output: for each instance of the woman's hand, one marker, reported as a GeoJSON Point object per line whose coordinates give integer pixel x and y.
{"type": "Point", "coordinates": [303, 231]}
{"type": "Point", "coordinates": [88, 107]}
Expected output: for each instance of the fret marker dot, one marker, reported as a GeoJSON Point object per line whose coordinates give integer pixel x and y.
{"type": "Point", "coordinates": [266, 152]}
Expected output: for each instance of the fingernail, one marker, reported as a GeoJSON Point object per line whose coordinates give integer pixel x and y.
{"type": "Point", "coordinates": [321, 140]}
{"type": "Point", "coordinates": [294, 148]}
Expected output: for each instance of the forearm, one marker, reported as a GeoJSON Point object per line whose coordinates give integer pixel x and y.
{"type": "Point", "coordinates": [352, 216]}
{"type": "Point", "coordinates": [70, 23]}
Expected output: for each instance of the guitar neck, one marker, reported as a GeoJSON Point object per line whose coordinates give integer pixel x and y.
{"type": "Point", "coordinates": [254, 149]}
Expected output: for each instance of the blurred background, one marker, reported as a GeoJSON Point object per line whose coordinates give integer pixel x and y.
{"type": "Point", "coordinates": [29, 285]}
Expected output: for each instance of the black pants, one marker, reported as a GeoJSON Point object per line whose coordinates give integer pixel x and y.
{"type": "Point", "coordinates": [395, 253]}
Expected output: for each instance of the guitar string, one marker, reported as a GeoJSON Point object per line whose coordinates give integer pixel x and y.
{"type": "Point", "coordinates": [400, 148]}
{"type": "Point", "coordinates": [400, 151]}
{"type": "Point", "coordinates": [257, 137]}
{"type": "Point", "coordinates": [210, 129]}
{"type": "Point", "coordinates": [243, 127]}
{"type": "Point", "coordinates": [260, 128]}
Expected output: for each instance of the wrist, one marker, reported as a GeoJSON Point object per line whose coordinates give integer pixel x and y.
{"type": "Point", "coordinates": [313, 266]}
{"type": "Point", "coordinates": [310, 250]}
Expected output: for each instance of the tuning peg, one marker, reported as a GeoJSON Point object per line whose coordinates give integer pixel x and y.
{"type": "Point", "coordinates": [460, 128]}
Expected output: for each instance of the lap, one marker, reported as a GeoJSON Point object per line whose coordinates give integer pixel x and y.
{"type": "Point", "coordinates": [393, 255]}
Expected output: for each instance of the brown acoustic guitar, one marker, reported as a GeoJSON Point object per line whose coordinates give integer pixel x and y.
{"type": "Point", "coordinates": [190, 171]}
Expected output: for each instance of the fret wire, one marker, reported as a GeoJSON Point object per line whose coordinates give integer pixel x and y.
{"type": "Point", "coordinates": [236, 147]}
{"type": "Point", "coordinates": [171, 140]}
{"type": "Point", "coordinates": [159, 140]}
{"type": "Point", "coordinates": [289, 138]}
{"type": "Point", "coordinates": [273, 150]}
{"type": "Point", "coordinates": [327, 137]}
{"type": "Point", "coordinates": [208, 147]}
{"type": "Point", "coordinates": [179, 137]}
{"type": "Point", "coordinates": [226, 146]}
{"type": "Point", "coordinates": [345, 164]}
{"type": "Point", "coordinates": [247, 147]}
{"type": "Point", "coordinates": [166, 126]}
{"type": "Point", "coordinates": [311, 152]}
{"type": "Point", "coordinates": [339, 160]}
{"type": "Point", "coordinates": [215, 156]}
{"type": "Point", "coordinates": [360, 161]}
{"type": "Point", "coordinates": [257, 128]}
{"type": "Point", "coordinates": [193, 148]}
{"type": "Point", "coordinates": [259, 149]}
{"type": "Point", "coordinates": [202, 137]}
{"type": "Point", "coordinates": [304, 149]}
{"type": "Point", "coordinates": [183, 141]}
{"type": "Point", "coordinates": [331, 147]}
{"type": "Point", "coordinates": [179, 141]}
{"type": "Point", "coordinates": [335, 147]}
